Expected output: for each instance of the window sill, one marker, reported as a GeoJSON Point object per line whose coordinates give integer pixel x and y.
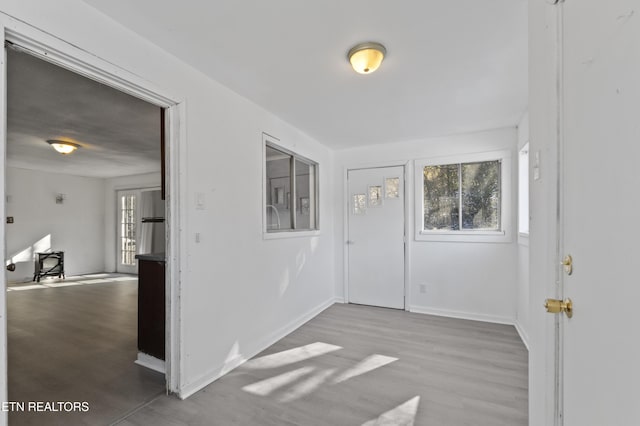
{"type": "Point", "coordinates": [465, 236]}
{"type": "Point", "coordinates": [289, 234]}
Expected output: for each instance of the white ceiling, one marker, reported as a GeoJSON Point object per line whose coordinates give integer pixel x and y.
{"type": "Point", "coordinates": [119, 134]}
{"type": "Point", "coordinates": [452, 66]}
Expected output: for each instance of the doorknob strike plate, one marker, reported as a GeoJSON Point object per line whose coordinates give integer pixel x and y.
{"type": "Point", "coordinates": [567, 262]}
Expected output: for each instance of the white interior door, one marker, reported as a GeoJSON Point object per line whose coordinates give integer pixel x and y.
{"type": "Point", "coordinates": [128, 228]}
{"type": "Point", "coordinates": [601, 207]}
{"type": "Point", "coordinates": [376, 236]}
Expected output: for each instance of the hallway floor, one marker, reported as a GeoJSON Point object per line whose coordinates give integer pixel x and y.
{"type": "Point", "coordinates": [360, 365]}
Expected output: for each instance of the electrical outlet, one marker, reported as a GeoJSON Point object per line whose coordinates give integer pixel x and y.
{"type": "Point", "coordinates": [423, 288]}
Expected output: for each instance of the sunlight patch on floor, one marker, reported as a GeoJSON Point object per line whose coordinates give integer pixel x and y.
{"type": "Point", "coordinates": [291, 356]}
{"type": "Point", "coordinates": [402, 415]}
{"type": "Point", "coordinates": [307, 386]}
{"type": "Point", "coordinates": [368, 364]}
{"type": "Point", "coordinates": [72, 281]}
{"type": "Point", "coordinates": [267, 386]}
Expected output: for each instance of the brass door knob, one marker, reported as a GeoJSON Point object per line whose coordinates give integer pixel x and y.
{"type": "Point", "coordinates": [555, 306]}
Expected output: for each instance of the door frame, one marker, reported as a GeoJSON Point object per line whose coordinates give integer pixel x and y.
{"type": "Point", "coordinates": [406, 166]}
{"type": "Point", "coordinates": [59, 52]}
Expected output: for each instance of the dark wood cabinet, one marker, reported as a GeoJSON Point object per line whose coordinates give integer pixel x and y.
{"type": "Point", "coordinates": [151, 306]}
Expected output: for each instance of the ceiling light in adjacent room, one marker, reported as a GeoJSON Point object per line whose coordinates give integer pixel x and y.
{"type": "Point", "coordinates": [366, 57]}
{"type": "Point", "coordinates": [63, 147]}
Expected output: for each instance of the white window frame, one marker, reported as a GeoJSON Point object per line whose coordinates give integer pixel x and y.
{"type": "Point", "coordinates": [523, 193]}
{"type": "Point", "coordinates": [502, 235]}
{"type": "Point", "coordinates": [275, 143]}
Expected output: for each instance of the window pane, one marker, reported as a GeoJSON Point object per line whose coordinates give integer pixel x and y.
{"type": "Point", "coordinates": [359, 203]}
{"type": "Point", "coordinates": [441, 188]}
{"type": "Point", "coordinates": [392, 187]}
{"type": "Point", "coordinates": [481, 195]}
{"type": "Point", "coordinates": [305, 195]}
{"type": "Point", "coordinates": [128, 229]}
{"type": "Point", "coordinates": [375, 196]}
{"type": "Point", "coordinates": [278, 189]}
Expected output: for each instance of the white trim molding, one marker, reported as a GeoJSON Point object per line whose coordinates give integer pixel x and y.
{"type": "Point", "coordinates": [462, 315]}
{"type": "Point", "coordinates": [522, 333]}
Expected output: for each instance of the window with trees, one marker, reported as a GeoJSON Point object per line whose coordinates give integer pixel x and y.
{"type": "Point", "coordinates": [462, 196]}
{"type": "Point", "coordinates": [291, 191]}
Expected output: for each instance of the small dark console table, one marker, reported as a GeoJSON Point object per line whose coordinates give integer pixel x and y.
{"type": "Point", "coordinates": [48, 265]}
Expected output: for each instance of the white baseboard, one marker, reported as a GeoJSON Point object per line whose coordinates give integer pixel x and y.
{"type": "Point", "coordinates": [462, 315]}
{"type": "Point", "coordinates": [189, 389]}
{"type": "Point", "coordinates": [339, 300]}
{"type": "Point", "coordinates": [151, 362]}
{"type": "Point", "coordinates": [523, 334]}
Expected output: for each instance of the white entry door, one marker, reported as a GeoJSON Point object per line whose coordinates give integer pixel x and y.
{"type": "Point", "coordinates": [600, 344]}
{"type": "Point", "coordinates": [376, 236]}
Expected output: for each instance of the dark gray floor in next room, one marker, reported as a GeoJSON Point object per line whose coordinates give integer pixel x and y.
{"type": "Point", "coordinates": [76, 340]}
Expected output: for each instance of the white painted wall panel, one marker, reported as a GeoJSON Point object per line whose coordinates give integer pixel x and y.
{"type": "Point", "coordinates": [76, 226]}
{"type": "Point", "coordinates": [473, 280]}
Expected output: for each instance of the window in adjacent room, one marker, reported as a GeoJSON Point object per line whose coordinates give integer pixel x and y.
{"type": "Point", "coordinates": [291, 191]}
{"type": "Point", "coordinates": [128, 229]}
{"type": "Point", "coordinates": [461, 198]}
{"type": "Point", "coordinates": [523, 191]}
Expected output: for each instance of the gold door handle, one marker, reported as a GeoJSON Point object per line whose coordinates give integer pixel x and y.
{"type": "Point", "coordinates": [555, 306]}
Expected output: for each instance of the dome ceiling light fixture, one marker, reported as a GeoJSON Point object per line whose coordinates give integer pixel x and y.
{"type": "Point", "coordinates": [63, 147]}
{"type": "Point", "coordinates": [365, 58]}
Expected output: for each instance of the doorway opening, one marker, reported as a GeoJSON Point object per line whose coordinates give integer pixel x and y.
{"type": "Point", "coordinates": [87, 324]}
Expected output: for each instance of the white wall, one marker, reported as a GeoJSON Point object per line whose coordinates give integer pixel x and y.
{"type": "Point", "coordinates": [147, 180]}
{"type": "Point", "coordinates": [76, 226]}
{"type": "Point", "coordinates": [239, 292]}
{"type": "Point", "coordinates": [464, 279]}
{"type": "Point", "coordinates": [522, 318]}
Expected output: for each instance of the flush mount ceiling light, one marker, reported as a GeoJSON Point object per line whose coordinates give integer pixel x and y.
{"type": "Point", "coordinates": [366, 57]}
{"type": "Point", "coordinates": [63, 147]}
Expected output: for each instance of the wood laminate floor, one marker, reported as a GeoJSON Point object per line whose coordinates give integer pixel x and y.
{"type": "Point", "coordinates": [359, 365]}
{"type": "Point", "coordinates": [76, 340]}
